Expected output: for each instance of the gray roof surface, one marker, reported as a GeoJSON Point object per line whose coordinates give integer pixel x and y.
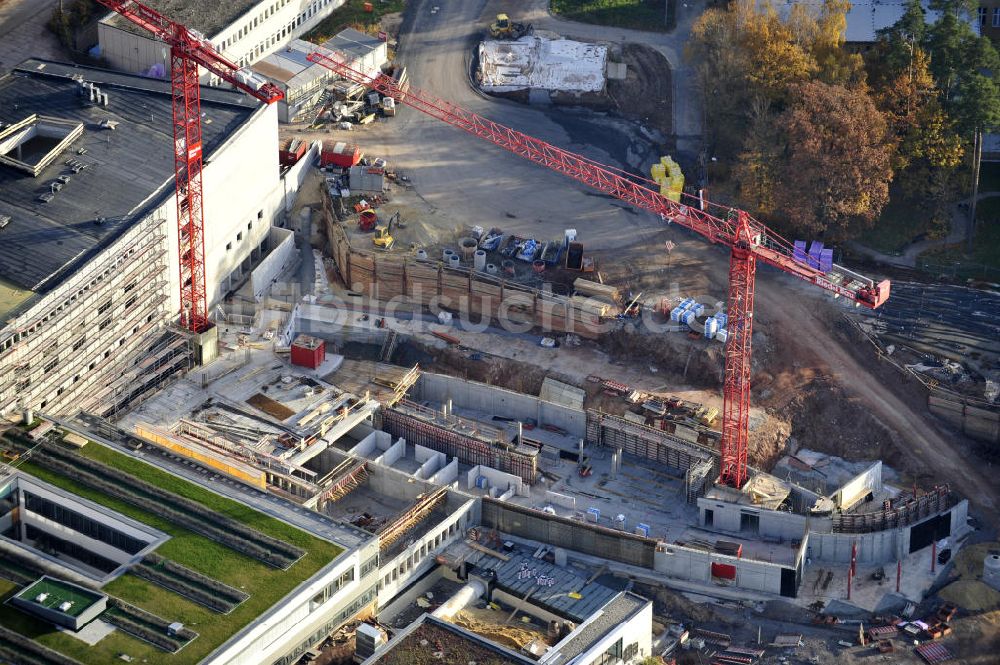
{"type": "Point", "coordinates": [614, 613]}
{"type": "Point", "coordinates": [208, 17]}
{"type": "Point", "coordinates": [554, 598]}
{"type": "Point", "coordinates": [353, 42]}
{"type": "Point", "coordinates": [129, 169]}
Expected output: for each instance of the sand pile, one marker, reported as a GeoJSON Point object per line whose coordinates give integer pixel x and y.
{"type": "Point", "coordinates": [971, 595]}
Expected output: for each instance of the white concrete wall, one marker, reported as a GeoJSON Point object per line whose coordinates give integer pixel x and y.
{"type": "Point", "coordinates": [696, 565]}
{"type": "Point", "coordinates": [263, 29]}
{"type": "Point", "coordinates": [869, 480]}
{"type": "Point", "coordinates": [418, 558]}
{"type": "Point", "coordinates": [490, 399]}
{"type": "Point", "coordinates": [496, 479]}
{"type": "Point", "coordinates": [448, 475]}
{"type": "Point", "coordinates": [279, 259]}
{"type": "Point", "coordinates": [296, 175]}
{"type": "Point", "coordinates": [772, 523]}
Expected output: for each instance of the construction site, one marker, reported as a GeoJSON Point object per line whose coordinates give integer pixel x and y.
{"type": "Point", "coordinates": [467, 370]}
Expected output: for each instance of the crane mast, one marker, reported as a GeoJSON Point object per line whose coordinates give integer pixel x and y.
{"type": "Point", "coordinates": [749, 242]}
{"type": "Point", "coordinates": [189, 51]}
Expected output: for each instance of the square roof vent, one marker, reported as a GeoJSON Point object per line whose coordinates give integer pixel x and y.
{"type": "Point", "coordinates": [33, 143]}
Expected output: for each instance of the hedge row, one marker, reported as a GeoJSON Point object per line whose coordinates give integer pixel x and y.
{"type": "Point", "coordinates": [195, 594]}
{"type": "Point", "coordinates": [190, 520]}
{"type": "Point", "coordinates": [146, 626]}
{"type": "Point", "coordinates": [192, 577]}
{"type": "Point", "coordinates": [177, 502]}
{"type": "Point", "coordinates": [20, 650]}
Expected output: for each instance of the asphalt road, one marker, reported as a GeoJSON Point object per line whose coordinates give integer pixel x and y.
{"type": "Point", "coordinates": [469, 181]}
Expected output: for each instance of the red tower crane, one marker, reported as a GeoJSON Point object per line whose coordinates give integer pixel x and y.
{"type": "Point", "coordinates": [188, 52]}
{"type": "Point", "coordinates": [749, 241]}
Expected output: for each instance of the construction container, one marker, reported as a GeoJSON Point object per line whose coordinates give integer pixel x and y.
{"type": "Point", "coordinates": [291, 151]}
{"type": "Point", "coordinates": [339, 153]}
{"type": "Point", "coordinates": [308, 351]}
{"type": "Point", "coordinates": [711, 327]}
{"type": "Point", "coordinates": [593, 514]}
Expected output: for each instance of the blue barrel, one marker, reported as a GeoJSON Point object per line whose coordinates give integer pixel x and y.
{"type": "Point", "coordinates": [722, 318]}
{"type": "Point", "coordinates": [697, 308]}
{"type": "Point", "coordinates": [686, 303]}
{"type": "Point", "coordinates": [688, 316]}
{"type": "Point", "coordinates": [711, 327]}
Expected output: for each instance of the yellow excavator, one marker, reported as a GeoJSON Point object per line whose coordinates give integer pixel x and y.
{"type": "Point", "coordinates": [504, 28]}
{"type": "Point", "coordinates": [383, 234]}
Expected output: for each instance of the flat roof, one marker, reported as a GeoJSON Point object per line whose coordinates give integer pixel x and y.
{"type": "Point", "coordinates": [126, 171]}
{"type": "Point", "coordinates": [569, 595]}
{"type": "Point", "coordinates": [429, 639]}
{"type": "Point", "coordinates": [619, 610]}
{"type": "Point", "coordinates": [57, 592]}
{"type": "Point", "coordinates": [290, 67]}
{"type": "Point", "coordinates": [353, 42]}
{"type": "Point", "coordinates": [208, 18]}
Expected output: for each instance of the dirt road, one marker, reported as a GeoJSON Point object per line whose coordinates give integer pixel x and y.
{"type": "Point", "coordinates": [938, 452]}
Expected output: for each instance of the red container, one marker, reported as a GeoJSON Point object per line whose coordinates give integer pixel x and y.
{"type": "Point", "coordinates": [291, 151]}
{"type": "Point", "coordinates": [308, 351]}
{"type": "Point", "coordinates": [338, 153]}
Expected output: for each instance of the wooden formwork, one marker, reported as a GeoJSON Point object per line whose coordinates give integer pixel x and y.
{"type": "Point", "coordinates": [387, 276]}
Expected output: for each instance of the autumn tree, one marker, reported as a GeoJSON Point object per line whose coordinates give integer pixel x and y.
{"type": "Point", "coordinates": [835, 165]}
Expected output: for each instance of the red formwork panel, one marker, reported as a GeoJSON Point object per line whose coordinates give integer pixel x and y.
{"type": "Point", "coordinates": [724, 571]}
{"type": "Point", "coordinates": [933, 653]}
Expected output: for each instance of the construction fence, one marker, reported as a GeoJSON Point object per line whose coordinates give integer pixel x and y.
{"type": "Point", "coordinates": [568, 533]}
{"type": "Point", "coordinates": [472, 294]}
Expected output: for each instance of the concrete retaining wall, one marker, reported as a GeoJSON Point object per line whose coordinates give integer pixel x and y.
{"type": "Point", "coordinates": [774, 524]}
{"type": "Point", "coordinates": [447, 475]}
{"type": "Point", "coordinates": [496, 479]}
{"type": "Point", "coordinates": [696, 566]}
{"type": "Point", "coordinates": [498, 401]}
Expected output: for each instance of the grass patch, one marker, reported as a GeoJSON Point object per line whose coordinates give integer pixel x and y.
{"type": "Point", "coordinates": [901, 223]}
{"type": "Point", "coordinates": [636, 14]}
{"type": "Point", "coordinates": [353, 15]}
{"type": "Point", "coordinates": [266, 585]}
{"type": "Point", "coordinates": [984, 262]}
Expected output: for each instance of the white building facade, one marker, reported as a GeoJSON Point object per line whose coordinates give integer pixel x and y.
{"type": "Point", "coordinates": [261, 29]}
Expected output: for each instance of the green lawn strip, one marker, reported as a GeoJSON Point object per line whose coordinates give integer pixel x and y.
{"type": "Point", "coordinates": [637, 14]}
{"type": "Point", "coordinates": [266, 585]}
{"type": "Point", "coordinates": [353, 15]}
{"type": "Point", "coordinates": [217, 503]}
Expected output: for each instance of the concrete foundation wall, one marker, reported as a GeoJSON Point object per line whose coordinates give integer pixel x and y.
{"type": "Point", "coordinates": [779, 525]}
{"type": "Point", "coordinates": [496, 479]}
{"type": "Point", "coordinates": [570, 534]}
{"type": "Point", "coordinates": [498, 401]}
{"type": "Point", "coordinates": [854, 490]}
{"type": "Point", "coordinates": [432, 460]}
{"type": "Point", "coordinates": [873, 548]}
{"type": "Point", "coordinates": [696, 566]}
{"type": "Point", "coordinates": [391, 456]}
{"type": "Point", "coordinates": [447, 475]}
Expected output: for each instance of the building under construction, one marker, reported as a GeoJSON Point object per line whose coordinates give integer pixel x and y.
{"type": "Point", "coordinates": [89, 276]}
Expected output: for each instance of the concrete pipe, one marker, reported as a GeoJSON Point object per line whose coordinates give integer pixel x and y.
{"type": "Point", "coordinates": [468, 247]}
{"type": "Point", "coordinates": [447, 254]}
{"type": "Point", "coordinates": [421, 254]}
{"type": "Point", "coordinates": [454, 261]}
{"type": "Point", "coordinates": [470, 592]}
{"type": "Point", "coordinates": [480, 260]}
{"type": "Point", "coordinates": [491, 268]}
